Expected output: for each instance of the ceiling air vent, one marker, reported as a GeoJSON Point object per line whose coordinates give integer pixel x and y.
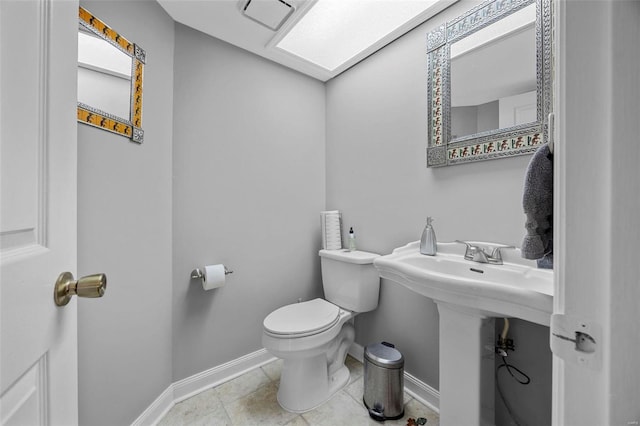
{"type": "Point", "coordinates": [270, 13]}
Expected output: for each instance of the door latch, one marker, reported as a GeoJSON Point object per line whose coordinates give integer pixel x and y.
{"type": "Point", "coordinates": [583, 341]}
{"type": "Point", "coordinates": [576, 340]}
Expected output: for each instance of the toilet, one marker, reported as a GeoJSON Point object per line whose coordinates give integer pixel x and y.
{"type": "Point", "coordinates": [313, 337]}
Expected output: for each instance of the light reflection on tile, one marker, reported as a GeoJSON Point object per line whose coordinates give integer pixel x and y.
{"type": "Point", "coordinates": [251, 400]}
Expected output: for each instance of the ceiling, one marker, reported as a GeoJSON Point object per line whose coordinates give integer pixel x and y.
{"type": "Point", "coordinates": [224, 20]}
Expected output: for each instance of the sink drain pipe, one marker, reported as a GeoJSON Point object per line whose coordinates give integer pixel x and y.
{"type": "Point", "coordinates": [504, 345]}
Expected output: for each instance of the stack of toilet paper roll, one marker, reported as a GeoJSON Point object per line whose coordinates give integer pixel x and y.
{"type": "Point", "coordinates": [331, 228]}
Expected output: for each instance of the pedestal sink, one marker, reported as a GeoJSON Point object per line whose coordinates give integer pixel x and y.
{"type": "Point", "coordinates": [469, 295]}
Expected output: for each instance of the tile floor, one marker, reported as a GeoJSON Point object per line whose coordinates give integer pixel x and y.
{"type": "Point", "coordinates": [251, 400]}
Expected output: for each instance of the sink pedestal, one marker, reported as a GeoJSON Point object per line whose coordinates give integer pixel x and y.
{"type": "Point", "coordinates": [466, 366]}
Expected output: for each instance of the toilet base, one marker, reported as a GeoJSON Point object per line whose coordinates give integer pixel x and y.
{"type": "Point", "coordinates": [301, 390]}
{"type": "Point", "coordinates": [312, 378]}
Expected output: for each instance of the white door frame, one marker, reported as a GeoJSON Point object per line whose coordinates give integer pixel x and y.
{"type": "Point", "coordinates": [597, 209]}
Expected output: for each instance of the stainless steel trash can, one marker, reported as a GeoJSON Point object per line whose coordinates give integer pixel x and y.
{"type": "Point", "coordinates": [383, 381]}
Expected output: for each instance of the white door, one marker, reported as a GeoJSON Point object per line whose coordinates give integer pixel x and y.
{"type": "Point", "coordinates": [597, 206]}
{"type": "Point", "coordinates": [38, 340]}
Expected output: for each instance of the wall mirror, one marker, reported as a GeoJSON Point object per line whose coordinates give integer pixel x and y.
{"type": "Point", "coordinates": [110, 73]}
{"type": "Point", "coordinates": [489, 82]}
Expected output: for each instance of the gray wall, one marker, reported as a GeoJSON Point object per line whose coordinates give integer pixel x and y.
{"type": "Point", "coordinates": [124, 230]}
{"type": "Point", "coordinates": [249, 179]}
{"type": "Point", "coordinates": [376, 174]}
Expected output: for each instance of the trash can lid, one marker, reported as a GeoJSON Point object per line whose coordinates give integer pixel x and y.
{"type": "Point", "coordinates": [384, 355]}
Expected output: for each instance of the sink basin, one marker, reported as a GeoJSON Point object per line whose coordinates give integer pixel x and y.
{"type": "Point", "coordinates": [515, 289]}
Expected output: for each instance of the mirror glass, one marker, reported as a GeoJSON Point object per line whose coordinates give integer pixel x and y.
{"type": "Point", "coordinates": [104, 75]}
{"type": "Point", "coordinates": [489, 82]}
{"type": "Point", "coordinates": [493, 76]}
{"type": "Point", "coordinates": [110, 74]}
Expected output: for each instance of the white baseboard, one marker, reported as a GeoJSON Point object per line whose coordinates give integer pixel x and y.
{"type": "Point", "coordinates": [157, 409]}
{"type": "Point", "coordinates": [422, 392]}
{"type": "Point", "coordinates": [199, 382]}
{"type": "Point", "coordinates": [412, 385]}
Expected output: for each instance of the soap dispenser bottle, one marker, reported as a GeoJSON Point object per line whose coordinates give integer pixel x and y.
{"type": "Point", "coordinates": [428, 240]}
{"type": "Point", "coordinates": [352, 240]}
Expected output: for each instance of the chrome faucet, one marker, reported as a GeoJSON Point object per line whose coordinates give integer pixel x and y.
{"type": "Point", "coordinates": [478, 254]}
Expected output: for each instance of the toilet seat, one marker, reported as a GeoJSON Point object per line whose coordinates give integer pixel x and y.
{"type": "Point", "coordinates": [302, 319]}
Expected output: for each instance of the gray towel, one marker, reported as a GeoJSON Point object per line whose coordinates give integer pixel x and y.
{"type": "Point", "coordinates": [537, 202]}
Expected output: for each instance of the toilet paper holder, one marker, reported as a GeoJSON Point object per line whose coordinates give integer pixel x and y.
{"type": "Point", "coordinates": [197, 273]}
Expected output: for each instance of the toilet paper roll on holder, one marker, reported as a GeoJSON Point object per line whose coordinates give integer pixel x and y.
{"type": "Point", "coordinates": [197, 273]}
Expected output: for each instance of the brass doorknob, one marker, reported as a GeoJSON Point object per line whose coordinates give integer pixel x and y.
{"type": "Point", "coordinates": [89, 286]}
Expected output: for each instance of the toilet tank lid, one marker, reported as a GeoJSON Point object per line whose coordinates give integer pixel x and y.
{"type": "Point", "coordinates": [344, 255]}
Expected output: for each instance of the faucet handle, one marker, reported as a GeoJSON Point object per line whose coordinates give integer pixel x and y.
{"type": "Point", "coordinates": [497, 254]}
{"type": "Point", "coordinates": [472, 251]}
{"type": "Point", "coordinates": [465, 243]}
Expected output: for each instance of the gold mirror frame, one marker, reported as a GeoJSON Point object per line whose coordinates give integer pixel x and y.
{"type": "Point", "coordinates": [442, 150]}
{"type": "Point", "coordinates": [131, 127]}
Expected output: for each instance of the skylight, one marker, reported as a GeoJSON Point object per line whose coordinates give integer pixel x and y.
{"type": "Point", "coordinates": [333, 32]}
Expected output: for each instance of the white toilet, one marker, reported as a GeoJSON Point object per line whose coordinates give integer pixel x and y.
{"type": "Point", "coordinates": [313, 337]}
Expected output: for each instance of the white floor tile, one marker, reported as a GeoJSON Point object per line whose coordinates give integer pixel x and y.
{"type": "Point", "coordinates": [242, 386]}
{"type": "Point", "coordinates": [341, 409]}
{"type": "Point", "coordinates": [273, 370]}
{"type": "Point", "coordinates": [259, 408]}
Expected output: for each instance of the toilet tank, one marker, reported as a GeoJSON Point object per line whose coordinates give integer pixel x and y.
{"type": "Point", "coordinates": [350, 280]}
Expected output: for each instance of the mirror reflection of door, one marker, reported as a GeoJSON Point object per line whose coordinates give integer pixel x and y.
{"type": "Point", "coordinates": [104, 75]}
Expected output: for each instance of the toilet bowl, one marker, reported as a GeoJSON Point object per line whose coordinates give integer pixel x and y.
{"type": "Point", "coordinates": [313, 337]}
{"type": "Point", "coordinates": [313, 353]}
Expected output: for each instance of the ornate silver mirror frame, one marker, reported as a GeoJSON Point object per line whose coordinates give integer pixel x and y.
{"type": "Point", "coordinates": [442, 150]}
{"type": "Point", "coordinates": [130, 127]}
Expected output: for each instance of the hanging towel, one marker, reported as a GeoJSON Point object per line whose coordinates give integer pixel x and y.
{"type": "Point", "coordinates": [537, 201]}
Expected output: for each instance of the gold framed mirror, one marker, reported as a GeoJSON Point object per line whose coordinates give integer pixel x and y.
{"type": "Point", "coordinates": [489, 82]}
{"type": "Point", "coordinates": [110, 76]}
